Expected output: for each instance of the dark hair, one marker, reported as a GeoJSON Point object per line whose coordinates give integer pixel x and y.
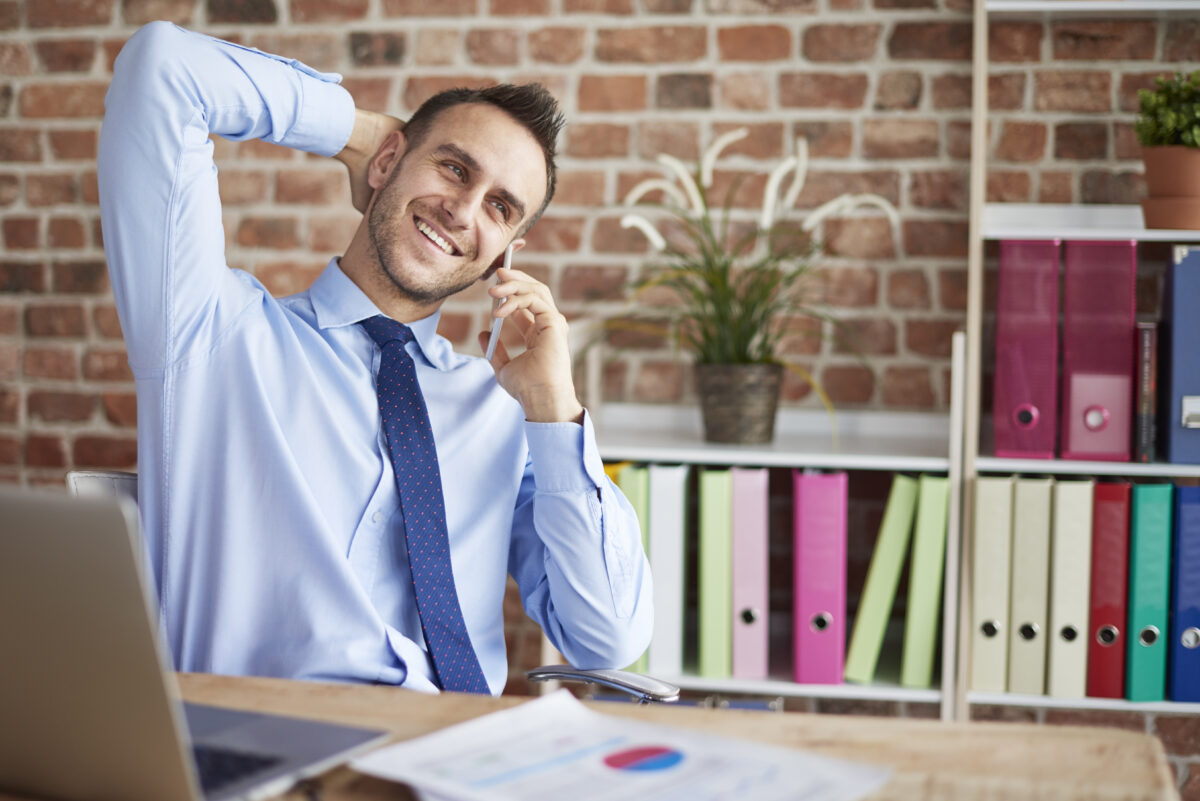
{"type": "Point", "coordinates": [530, 104]}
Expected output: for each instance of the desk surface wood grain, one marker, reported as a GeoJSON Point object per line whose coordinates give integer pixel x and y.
{"type": "Point", "coordinates": [931, 759]}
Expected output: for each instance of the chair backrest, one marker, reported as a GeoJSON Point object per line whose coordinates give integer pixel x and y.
{"type": "Point", "coordinates": [103, 482]}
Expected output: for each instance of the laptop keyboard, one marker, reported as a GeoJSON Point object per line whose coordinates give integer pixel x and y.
{"type": "Point", "coordinates": [218, 767]}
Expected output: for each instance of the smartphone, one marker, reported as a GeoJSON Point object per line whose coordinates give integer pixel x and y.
{"type": "Point", "coordinates": [506, 262]}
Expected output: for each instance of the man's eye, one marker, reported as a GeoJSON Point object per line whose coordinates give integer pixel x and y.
{"type": "Point", "coordinates": [502, 208]}
{"type": "Point", "coordinates": [457, 170]}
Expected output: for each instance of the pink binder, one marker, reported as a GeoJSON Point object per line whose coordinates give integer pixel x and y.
{"type": "Point", "coordinates": [751, 499]}
{"type": "Point", "coordinates": [819, 598]}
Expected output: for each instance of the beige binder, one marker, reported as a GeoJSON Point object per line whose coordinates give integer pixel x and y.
{"type": "Point", "coordinates": [989, 582]}
{"type": "Point", "coordinates": [1070, 577]}
{"type": "Point", "coordinates": [1030, 587]}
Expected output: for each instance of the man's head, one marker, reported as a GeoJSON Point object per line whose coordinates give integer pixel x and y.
{"type": "Point", "coordinates": [470, 173]}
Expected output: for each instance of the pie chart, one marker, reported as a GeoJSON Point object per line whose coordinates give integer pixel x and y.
{"type": "Point", "coordinates": [644, 758]}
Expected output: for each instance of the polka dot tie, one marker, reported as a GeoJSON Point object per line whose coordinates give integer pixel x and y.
{"type": "Point", "coordinates": [419, 482]}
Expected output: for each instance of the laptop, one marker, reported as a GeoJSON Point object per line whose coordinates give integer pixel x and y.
{"type": "Point", "coordinates": [88, 701]}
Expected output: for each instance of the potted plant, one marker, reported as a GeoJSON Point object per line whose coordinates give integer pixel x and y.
{"type": "Point", "coordinates": [1168, 129]}
{"type": "Point", "coordinates": [733, 286]}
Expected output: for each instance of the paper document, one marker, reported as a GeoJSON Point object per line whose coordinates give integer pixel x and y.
{"type": "Point", "coordinates": [556, 748]}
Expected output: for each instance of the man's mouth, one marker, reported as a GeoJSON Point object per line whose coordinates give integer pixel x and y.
{"type": "Point", "coordinates": [436, 238]}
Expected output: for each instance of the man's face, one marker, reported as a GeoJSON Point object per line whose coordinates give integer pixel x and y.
{"type": "Point", "coordinates": [451, 204]}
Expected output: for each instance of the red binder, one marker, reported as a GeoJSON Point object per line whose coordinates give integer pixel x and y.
{"type": "Point", "coordinates": [1109, 591]}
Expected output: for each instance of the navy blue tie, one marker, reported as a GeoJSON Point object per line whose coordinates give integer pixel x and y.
{"type": "Point", "coordinates": [419, 482]}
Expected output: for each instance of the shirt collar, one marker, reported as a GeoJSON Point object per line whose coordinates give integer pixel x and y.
{"type": "Point", "coordinates": [338, 302]}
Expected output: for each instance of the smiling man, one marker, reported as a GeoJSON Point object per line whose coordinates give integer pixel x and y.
{"type": "Point", "coordinates": [328, 490]}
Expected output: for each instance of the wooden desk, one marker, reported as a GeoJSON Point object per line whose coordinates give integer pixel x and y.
{"type": "Point", "coordinates": [931, 759]}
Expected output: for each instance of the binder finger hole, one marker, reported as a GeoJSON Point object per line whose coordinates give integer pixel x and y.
{"type": "Point", "coordinates": [1107, 635]}
{"type": "Point", "coordinates": [821, 621]}
{"type": "Point", "coordinates": [1028, 631]}
{"type": "Point", "coordinates": [1069, 633]}
{"type": "Point", "coordinates": [990, 628]}
{"type": "Point", "coordinates": [1148, 636]}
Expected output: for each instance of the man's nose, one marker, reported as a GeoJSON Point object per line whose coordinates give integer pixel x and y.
{"type": "Point", "coordinates": [461, 206]}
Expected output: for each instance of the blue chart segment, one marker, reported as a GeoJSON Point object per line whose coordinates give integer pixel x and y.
{"type": "Point", "coordinates": [644, 758]}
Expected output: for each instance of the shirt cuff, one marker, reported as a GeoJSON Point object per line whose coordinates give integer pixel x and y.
{"type": "Point", "coordinates": [326, 116]}
{"type": "Point", "coordinates": [565, 456]}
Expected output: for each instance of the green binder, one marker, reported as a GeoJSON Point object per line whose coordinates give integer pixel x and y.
{"type": "Point", "coordinates": [879, 591]}
{"type": "Point", "coordinates": [925, 582]}
{"type": "Point", "coordinates": [1149, 592]}
{"type": "Point", "coordinates": [634, 482]}
{"type": "Point", "coordinates": [716, 575]}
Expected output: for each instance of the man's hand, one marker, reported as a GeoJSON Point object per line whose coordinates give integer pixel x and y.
{"type": "Point", "coordinates": [370, 130]}
{"type": "Point", "coordinates": [540, 377]}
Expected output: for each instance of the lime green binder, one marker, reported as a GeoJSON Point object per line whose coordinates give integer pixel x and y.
{"type": "Point", "coordinates": [1149, 592]}
{"type": "Point", "coordinates": [716, 574]}
{"type": "Point", "coordinates": [634, 483]}
{"type": "Point", "coordinates": [883, 575]}
{"type": "Point", "coordinates": [925, 582]}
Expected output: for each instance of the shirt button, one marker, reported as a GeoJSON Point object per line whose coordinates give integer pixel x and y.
{"type": "Point", "coordinates": [375, 518]}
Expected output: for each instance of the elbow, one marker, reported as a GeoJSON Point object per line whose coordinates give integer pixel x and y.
{"type": "Point", "coordinates": [147, 53]}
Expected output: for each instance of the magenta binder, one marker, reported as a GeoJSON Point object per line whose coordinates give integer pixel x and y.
{"type": "Point", "coordinates": [1025, 401]}
{"type": "Point", "coordinates": [819, 598]}
{"type": "Point", "coordinates": [1098, 350]}
{"type": "Point", "coordinates": [751, 499]}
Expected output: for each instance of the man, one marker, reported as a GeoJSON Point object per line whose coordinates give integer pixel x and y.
{"type": "Point", "coordinates": [272, 494]}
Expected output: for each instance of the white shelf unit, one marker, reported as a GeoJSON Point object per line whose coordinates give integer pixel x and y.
{"type": "Point", "coordinates": [994, 221]}
{"type": "Point", "coordinates": [849, 440]}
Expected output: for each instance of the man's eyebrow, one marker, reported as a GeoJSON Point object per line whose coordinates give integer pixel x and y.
{"type": "Point", "coordinates": [469, 161]}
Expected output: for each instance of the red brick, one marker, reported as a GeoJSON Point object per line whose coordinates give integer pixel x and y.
{"type": "Point", "coordinates": [683, 91]}
{"type": "Point", "coordinates": [74, 100]}
{"type": "Point", "coordinates": [322, 187]}
{"type": "Point", "coordinates": [744, 91]}
{"type": "Point", "coordinates": [1007, 186]}
{"type": "Point", "coordinates": [1106, 186]}
{"type": "Point", "coordinates": [591, 283]}
{"type": "Point", "coordinates": [840, 43]}
{"type": "Point", "coordinates": [958, 140]}
{"type": "Point", "coordinates": [519, 8]}
{"type": "Point", "coordinates": [930, 337]}
{"type": "Point", "coordinates": [89, 188]}
{"type": "Point", "coordinates": [51, 190]}
{"type": "Point", "coordinates": [1131, 82]}
{"type": "Point", "coordinates": [667, 6]}
{"type": "Point", "coordinates": [866, 336]}
{"type": "Point", "coordinates": [754, 43]}
{"type": "Point", "coordinates": [747, 189]}
{"type": "Point", "coordinates": [19, 277]}
{"type": "Point", "coordinates": [763, 140]}
{"type": "Point", "coordinates": [106, 365]}
{"type": "Point", "coordinates": [1189, 790]}
{"type": "Point", "coordinates": [10, 357]}
{"type": "Point", "coordinates": [323, 51]}
{"type": "Point", "coordinates": [898, 91]}
{"type": "Point", "coordinates": [1103, 40]}
{"type": "Point", "coordinates": [611, 93]}
{"type": "Point", "coordinates": [80, 277]}
{"type": "Point", "coordinates": [1062, 90]}
{"type": "Point", "coordinates": [598, 6]}
{"type": "Point", "coordinates": [423, 8]}
{"type": "Point", "coordinates": [106, 322]}
{"type": "Point", "coordinates": [56, 363]}
{"type": "Point", "coordinates": [10, 189]}
{"type": "Point", "coordinates": [896, 138]}
{"type": "Point", "coordinates": [45, 450]}
{"type": "Point", "coordinates": [10, 450]}
{"type": "Point", "coordinates": [1055, 187]}
{"type": "Point", "coordinates": [16, 59]}
{"type": "Point", "coordinates": [821, 187]}
{"type": "Point", "coordinates": [22, 233]}
{"type": "Point", "coordinates": [1021, 141]}
{"type": "Point", "coordinates": [939, 189]}
{"type": "Point", "coordinates": [826, 139]}
{"type": "Point", "coordinates": [1182, 43]}
{"type": "Point", "coordinates": [1015, 42]}
{"type": "Point", "coordinates": [662, 44]}
{"type": "Point", "coordinates": [849, 383]}
{"type": "Point", "coordinates": [268, 232]}
{"type": "Point", "coordinates": [944, 41]}
{"type": "Point", "coordinates": [944, 238]}
{"type": "Point", "coordinates": [908, 289]}
{"type": "Point", "coordinates": [377, 49]}
{"type": "Point", "coordinates": [332, 233]}
{"type": "Point", "coordinates": [556, 235]}
{"type": "Point", "coordinates": [10, 405]}
{"type": "Point", "coordinates": [55, 320]}
{"type": "Point", "coordinates": [493, 47]}
{"type": "Point", "coordinates": [437, 47]}
{"type": "Point", "coordinates": [73, 145]}
{"type": "Point", "coordinates": [68, 13]}
{"type": "Point", "coordinates": [908, 388]}
{"type": "Point", "coordinates": [805, 336]}
{"type": "Point", "coordinates": [580, 188]}
{"type": "Point", "coordinates": [778, 7]}
{"type": "Point", "coordinates": [822, 90]}
{"type": "Point", "coordinates": [328, 10]}
{"type": "Point", "coordinates": [287, 278]}
{"type": "Point", "coordinates": [1006, 91]}
{"type": "Point", "coordinates": [120, 408]}
{"type": "Point", "coordinates": [609, 237]}
{"type": "Point", "coordinates": [367, 93]}
{"type": "Point", "coordinates": [1125, 143]}
{"type": "Point", "coordinates": [139, 12]}
{"type": "Point", "coordinates": [846, 287]}
{"type": "Point", "coordinates": [105, 451]}
{"type": "Point", "coordinates": [66, 55]}
{"type": "Point", "coordinates": [950, 91]}
{"type": "Point", "coordinates": [1081, 140]}
{"type": "Point", "coordinates": [679, 139]}
{"type": "Point", "coordinates": [60, 407]}
{"type": "Point", "coordinates": [557, 45]}
{"type": "Point", "coordinates": [657, 381]}
{"type": "Point", "coordinates": [1129, 721]}
{"type": "Point", "coordinates": [859, 237]}
{"type": "Point", "coordinates": [20, 144]}
{"type": "Point", "coordinates": [240, 187]}
{"type": "Point", "coordinates": [597, 140]}
{"type": "Point", "coordinates": [418, 90]}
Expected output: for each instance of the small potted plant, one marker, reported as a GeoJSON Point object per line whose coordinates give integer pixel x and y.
{"type": "Point", "coordinates": [1168, 129]}
{"type": "Point", "coordinates": [732, 287]}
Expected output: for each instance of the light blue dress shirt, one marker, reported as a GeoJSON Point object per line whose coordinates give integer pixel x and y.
{"type": "Point", "coordinates": [266, 489]}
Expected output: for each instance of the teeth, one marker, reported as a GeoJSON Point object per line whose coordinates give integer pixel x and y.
{"type": "Point", "coordinates": [433, 237]}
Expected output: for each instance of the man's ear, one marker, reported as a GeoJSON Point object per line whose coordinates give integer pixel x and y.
{"type": "Point", "coordinates": [386, 158]}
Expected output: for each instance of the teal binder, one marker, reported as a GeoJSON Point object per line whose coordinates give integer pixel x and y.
{"type": "Point", "coordinates": [1149, 592]}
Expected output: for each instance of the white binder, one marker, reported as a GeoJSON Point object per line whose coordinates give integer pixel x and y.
{"type": "Point", "coordinates": [668, 488]}
{"type": "Point", "coordinates": [1030, 586]}
{"type": "Point", "coordinates": [1070, 580]}
{"type": "Point", "coordinates": [990, 561]}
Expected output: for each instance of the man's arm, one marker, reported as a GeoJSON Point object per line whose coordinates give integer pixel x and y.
{"type": "Point", "coordinates": [370, 130]}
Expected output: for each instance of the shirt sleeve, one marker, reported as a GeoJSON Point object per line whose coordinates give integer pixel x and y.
{"type": "Point", "coordinates": [159, 203]}
{"type": "Point", "coordinates": [577, 554]}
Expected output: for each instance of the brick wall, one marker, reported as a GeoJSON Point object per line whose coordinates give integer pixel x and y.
{"type": "Point", "coordinates": [881, 89]}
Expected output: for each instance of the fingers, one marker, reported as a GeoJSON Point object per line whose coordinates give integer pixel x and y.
{"type": "Point", "coordinates": [524, 293]}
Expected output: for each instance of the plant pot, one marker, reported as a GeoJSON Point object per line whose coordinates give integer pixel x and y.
{"type": "Point", "coordinates": [1172, 187]}
{"type": "Point", "coordinates": [738, 401]}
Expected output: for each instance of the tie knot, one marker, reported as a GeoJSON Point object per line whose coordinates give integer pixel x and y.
{"type": "Point", "coordinates": [384, 330]}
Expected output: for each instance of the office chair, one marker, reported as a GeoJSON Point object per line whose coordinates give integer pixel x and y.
{"type": "Point", "coordinates": [643, 689]}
